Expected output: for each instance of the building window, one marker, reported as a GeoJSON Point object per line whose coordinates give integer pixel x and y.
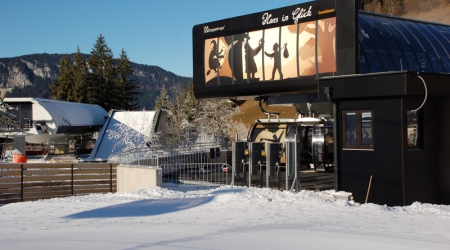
{"type": "Point", "coordinates": [357, 129]}
{"type": "Point", "coordinates": [413, 119]}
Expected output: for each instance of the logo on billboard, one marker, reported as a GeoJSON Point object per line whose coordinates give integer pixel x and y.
{"type": "Point", "coordinates": [297, 14]}
{"type": "Point", "coordinates": [208, 30]}
{"type": "Point", "coordinates": [267, 19]}
{"type": "Point", "coordinates": [322, 12]}
{"type": "Point", "coordinates": [300, 13]}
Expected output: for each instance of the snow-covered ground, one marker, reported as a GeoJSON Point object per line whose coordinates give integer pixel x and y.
{"type": "Point", "coordinates": [220, 218]}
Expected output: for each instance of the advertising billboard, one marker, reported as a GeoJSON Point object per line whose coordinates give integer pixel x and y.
{"type": "Point", "coordinates": [275, 51]}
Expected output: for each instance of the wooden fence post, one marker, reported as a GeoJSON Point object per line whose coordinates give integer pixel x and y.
{"type": "Point", "coordinates": [110, 177]}
{"type": "Point", "coordinates": [21, 182]}
{"type": "Point", "coordinates": [71, 184]}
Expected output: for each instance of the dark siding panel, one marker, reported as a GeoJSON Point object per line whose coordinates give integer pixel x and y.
{"type": "Point", "coordinates": [421, 168]}
{"type": "Point", "coordinates": [354, 173]}
{"type": "Point", "coordinates": [346, 37]}
{"type": "Point", "coordinates": [444, 150]}
{"type": "Point", "coordinates": [387, 179]}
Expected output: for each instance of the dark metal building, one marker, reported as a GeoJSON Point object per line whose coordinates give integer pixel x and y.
{"type": "Point", "coordinates": [387, 79]}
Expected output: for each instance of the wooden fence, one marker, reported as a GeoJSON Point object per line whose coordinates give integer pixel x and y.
{"type": "Point", "coordinates": [34, 181]}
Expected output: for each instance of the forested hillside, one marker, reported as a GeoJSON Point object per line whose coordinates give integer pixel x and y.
{"type": "Point", "coordinates": [429, 10]}
{"type": "Point", "coordinates": [31, 76]}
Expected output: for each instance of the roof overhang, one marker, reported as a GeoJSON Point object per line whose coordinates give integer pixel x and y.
{"type": "Point", "coordinates": [388, 84]}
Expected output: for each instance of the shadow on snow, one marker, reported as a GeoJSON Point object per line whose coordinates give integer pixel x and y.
{"type": "Point", "coordinates": [150, 207]}
{"type": "Point", "coordinates": [142, 208]}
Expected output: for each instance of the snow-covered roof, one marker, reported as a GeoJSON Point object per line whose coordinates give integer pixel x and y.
{"type": "Point", "coordinates": [67, 113]}
{"type": "Point", "coordinates": [129, 122]}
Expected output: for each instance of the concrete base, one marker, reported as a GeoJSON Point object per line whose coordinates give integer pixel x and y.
{"type": "Point", "coordinates": [130, 178]}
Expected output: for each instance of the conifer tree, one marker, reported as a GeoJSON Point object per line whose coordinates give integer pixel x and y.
{"type": "Point", "coordinates": [162, 101]}
{"type": "Point", "coordinates": [79, 79]}
{"type": "Point", "coordinates": [125, 97]}
{"type": "Point", "coordinates": [62, 86]}
{"type": "Point", "coordinates": [101, 78]}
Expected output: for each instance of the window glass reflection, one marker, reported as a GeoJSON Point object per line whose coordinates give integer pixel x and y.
{"type": "Point", "coordinates": [366, 38]}
{"type": "Point", "coordinates": [366, 128]}
{"type": "Point", "coordinates": [412, 128]}
{"type": "Point", "coordinates": [350, 119]}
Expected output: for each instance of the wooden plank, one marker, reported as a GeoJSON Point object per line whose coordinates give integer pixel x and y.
{"type": "Point", "coordinates": [95, 165]}
{"type": "Point", "coordinates": [9, 172]}
{"type": "Point", "coordinates": [47, 189]}
{"type": "Point", "coordinates": [47, 165]}
{"type": "Point", "coordinates": [91, 171]}
{"type": "Point", "coordinates": [92, 166]}
{"type": "Point", "coordinates": [47, 178]}
{"type": "Point", "coordinates": [46, 184]}
{"type": "Point", "coordinates": [90, 182]}
{"type": "Point", "coordinates": [10, 196]}
{"type": "Point", "coordinates": [94, 188]}
{"type": "Point", "coordinates": [46, 194]}
{"type": "Point", "coordinates": [10, 179]}
{"type": "Point", "coordinates": [98, 191]}
{"type": "Point", "coordinates": [91, 186]}
{"type": "Point", "coordinates": [47, 172]}
{"type": "Point", "coordinates": [10, 166]}
{"type": "Point", "coordinates": [9, 185]}
{"type": "Point", "coordinates": [91, 177]}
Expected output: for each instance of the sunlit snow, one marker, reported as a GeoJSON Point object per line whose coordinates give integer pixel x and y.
{"type": "Point", "coordinates": [220, 218]}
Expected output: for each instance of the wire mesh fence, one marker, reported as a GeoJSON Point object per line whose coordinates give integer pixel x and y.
{"type": "Point", "coordinates": [187, 163]}
{"type": "Point", "coordinates": [208, 174]}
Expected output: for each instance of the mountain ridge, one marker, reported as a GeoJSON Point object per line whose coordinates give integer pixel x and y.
{"type": "Point", "coordinates": [31, 76]}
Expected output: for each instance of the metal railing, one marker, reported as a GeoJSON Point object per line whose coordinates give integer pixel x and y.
{"type": "Point", "coordinates": [205, 174]}
{"type": "Point", "coordinates": [155, 156]}
{"type": "Point", "coordinates": [186, 163]}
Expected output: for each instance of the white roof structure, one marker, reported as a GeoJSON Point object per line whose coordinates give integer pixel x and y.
{"type": "Point", "coordinates": [54, 119]}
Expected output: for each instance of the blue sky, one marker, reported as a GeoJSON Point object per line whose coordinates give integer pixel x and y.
{"type": "Point", "coordinates": [151, 32]}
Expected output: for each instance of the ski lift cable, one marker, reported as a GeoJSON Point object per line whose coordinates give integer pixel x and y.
{"type": "Point", "coordinates": [426, 93]}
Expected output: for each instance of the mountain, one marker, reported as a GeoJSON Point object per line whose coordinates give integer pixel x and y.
{"type": "Point", "coordinates": [31, 76]}
{"type": "Point", "coordinates": [431, 10]}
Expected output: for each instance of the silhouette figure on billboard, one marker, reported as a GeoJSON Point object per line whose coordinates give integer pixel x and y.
{"type": "Point", "coordinates": [250, 53]}
{"type": "Point", "coordinates": [214, 58]}
{"type": "Point", "coordinates": [277, 59]}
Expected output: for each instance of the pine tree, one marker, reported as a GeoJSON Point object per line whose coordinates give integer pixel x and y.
{"type": "Point", "coordinates": [100, 80]}
{"type": "Point", "coordinates": [125, 97]}
{"type": "Point", "coordinates": [162, 101]}
{"type": "Point", "coordinates": [79, 79]}
{"type": "Point", "coordinates": [62, 86]}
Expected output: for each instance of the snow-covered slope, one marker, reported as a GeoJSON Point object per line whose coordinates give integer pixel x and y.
{"type": "Point", "coordinates": [221, 218]}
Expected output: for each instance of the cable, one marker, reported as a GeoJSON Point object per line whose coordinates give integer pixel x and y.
{"type": "Point", "coordinates": [426, 93]}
